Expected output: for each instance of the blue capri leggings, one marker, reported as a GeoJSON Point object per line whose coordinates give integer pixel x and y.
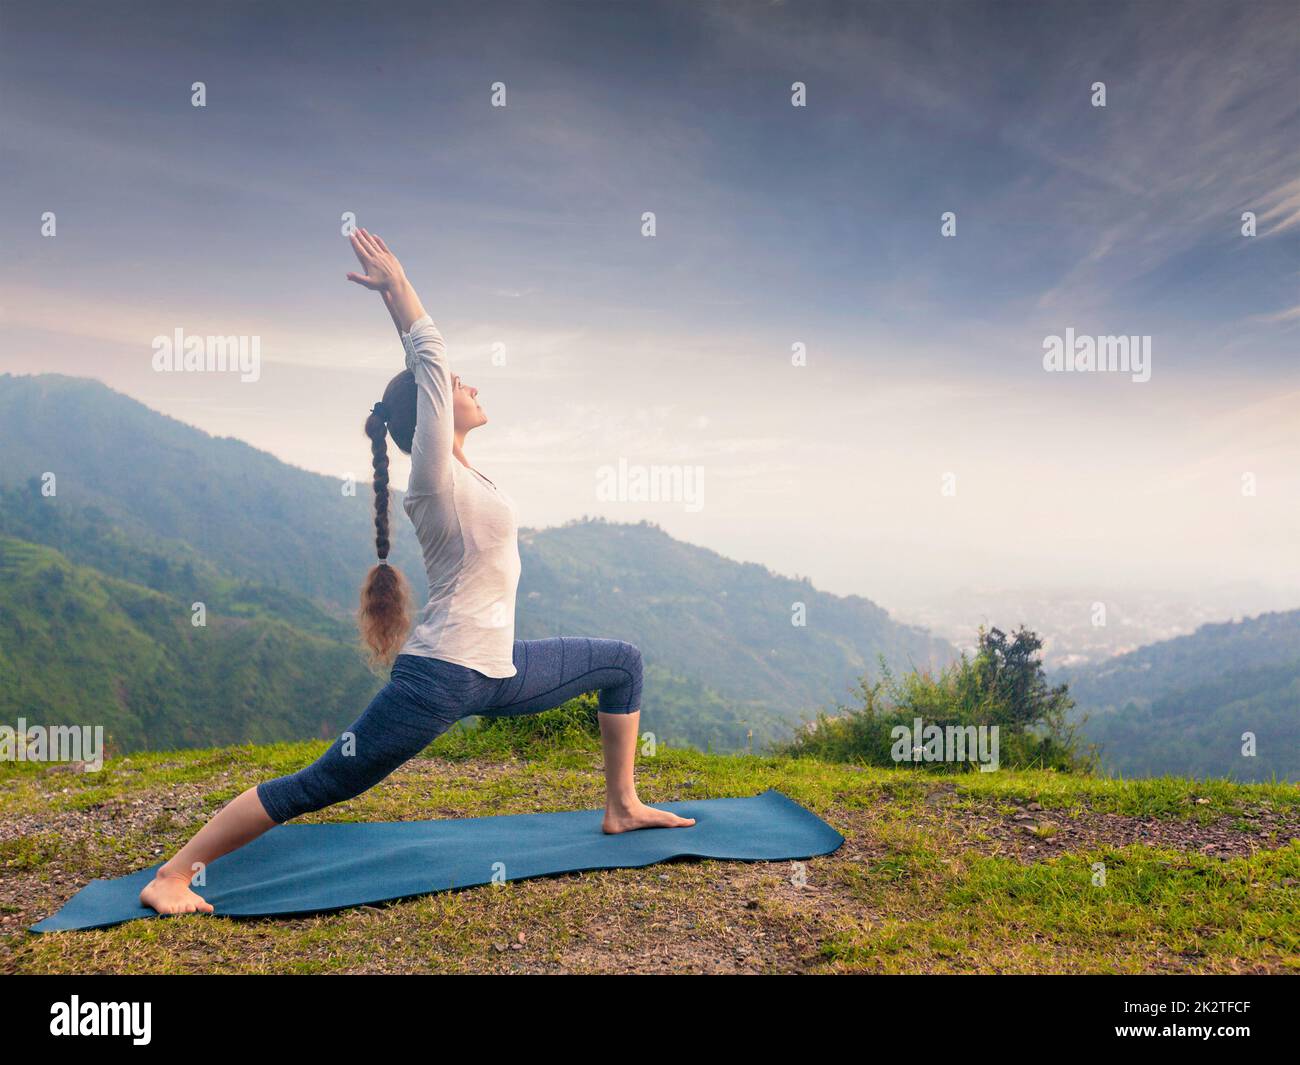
{"type": "Point", "coordinates": [425, 696]}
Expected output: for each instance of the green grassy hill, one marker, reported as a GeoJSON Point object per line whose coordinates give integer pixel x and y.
{"type": "Point", "coordinates": [242, 509]}
{"type": "Point", "coordinates": [1183, 705]}
{"type": "Point", "coordinates": [79, 647]}
{"type": "Point", "coordinates": [994, 872]}
{"type": "Point", "coordinates": [1198, 730]}
{"type": "Point", "coordinates": [1152, 672]}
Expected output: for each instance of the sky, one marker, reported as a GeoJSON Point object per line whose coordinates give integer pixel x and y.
{"type": "Point", "coordinates": [922, 445]}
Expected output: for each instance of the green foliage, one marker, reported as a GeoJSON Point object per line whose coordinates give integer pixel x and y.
{"type": "Point", "coordinates": [89, 536]}
{"type": "Point", "coordinates": [1155, 671]}
{"type": "Point", "coordinates": [78, 647]}
{"type": "Point", "coordinates": [682, 712]}
{"type": "Point", "coordinates": [1201, 729]}
{"type": "Point", "coordinates": [1184, 706]}
{"type": "Point", "coordinates": [246, 513]}
{"type": "Point", "coordinates": [1002, 685]}
{"type": "Point", "coordinates": [573, 725]}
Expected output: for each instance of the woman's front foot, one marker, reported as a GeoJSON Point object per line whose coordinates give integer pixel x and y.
{"type": "Point", "coordinates": [168, 893]}
{"type": "Point", "coordinates": [628, 816]}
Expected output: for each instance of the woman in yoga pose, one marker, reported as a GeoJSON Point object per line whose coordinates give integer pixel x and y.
{"type": "Point", "coordinates": [461, 658]}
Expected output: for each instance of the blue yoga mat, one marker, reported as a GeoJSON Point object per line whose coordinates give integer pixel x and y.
{"type": "Point", "coordinates": [303, 869]}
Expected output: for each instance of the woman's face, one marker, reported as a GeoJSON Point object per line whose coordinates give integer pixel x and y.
{"type": "Point", "coordinates": [465, 407]}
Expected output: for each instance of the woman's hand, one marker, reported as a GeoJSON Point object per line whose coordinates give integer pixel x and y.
{"type": "Point", "coordinates": [383, 272]}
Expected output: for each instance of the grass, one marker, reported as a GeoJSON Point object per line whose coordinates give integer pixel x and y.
{"type": "Point", "coordinates": [1159, 910]}
{"type": "Point", "coordinates": [978, 873]}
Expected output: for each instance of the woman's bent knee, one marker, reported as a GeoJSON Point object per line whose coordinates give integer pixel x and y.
{"type": "Point", "coordinates": [624, 697]}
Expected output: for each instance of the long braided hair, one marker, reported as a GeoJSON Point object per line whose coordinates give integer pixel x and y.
{"type": "Point", "coordinates": [384, 616]}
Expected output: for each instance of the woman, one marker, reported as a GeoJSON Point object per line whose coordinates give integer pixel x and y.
{"type": "Point", "coordinates": [461, 658]}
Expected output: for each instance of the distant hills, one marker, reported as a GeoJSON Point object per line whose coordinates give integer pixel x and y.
{"type": "Point", "coordinates": [151, 515]}
{"type": "Point", "coordinates": [83, 648]}
{"type": "Point", "coordinates": [1181, 706]}
{"type": "Point", "coordinates": [248, 514]}
{"type": "Point", "coordinates": [722, 626]}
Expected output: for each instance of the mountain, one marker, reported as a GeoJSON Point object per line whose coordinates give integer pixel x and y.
{"type": "Point", "coordinates": [1198, 731]}
{"type": "Point", "coordinates": [725, 625]}
{"type": "Point", "coordinates": [81, 648]}
{"type": "Point", "coordinates": [1150, 672]}
{"type": "Point", "coordinates": [1182, 706]}
{"type": "Point", "coordinates": [245, 510]}
{"type": "Point", "coordinates": [160, 507]}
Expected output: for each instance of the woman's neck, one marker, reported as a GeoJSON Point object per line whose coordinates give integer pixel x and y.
{"type": "Point", "coordinates": [458, 450]}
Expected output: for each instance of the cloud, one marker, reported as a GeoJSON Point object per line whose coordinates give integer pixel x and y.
{"type": "Point", "coordinates": [1282, 210]}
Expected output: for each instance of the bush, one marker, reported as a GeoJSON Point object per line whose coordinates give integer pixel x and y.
{"type": "Point", "coordinates": [1003, 685]}
{"type": "Point", "coordinates": [571, 725]}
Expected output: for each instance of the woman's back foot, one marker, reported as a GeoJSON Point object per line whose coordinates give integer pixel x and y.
{"type": "Point", "coordinates": [172, 894]}
{"type": "Point", "coordinates": [638, 815]}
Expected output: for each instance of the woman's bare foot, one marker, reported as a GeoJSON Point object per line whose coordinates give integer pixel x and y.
{"type": "Point", "coordinates": [634, 815]}
{"type": "Point", "coordinates": [168, 893]}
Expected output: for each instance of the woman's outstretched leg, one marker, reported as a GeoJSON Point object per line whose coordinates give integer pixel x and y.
{"type": "Point", "coordinates": [421, 701]}
{"type": "Point", "coordinates": [550, 672]}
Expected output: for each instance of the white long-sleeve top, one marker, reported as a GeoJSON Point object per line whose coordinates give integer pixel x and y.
{"type": "Point", "coordinates": [467, 528]}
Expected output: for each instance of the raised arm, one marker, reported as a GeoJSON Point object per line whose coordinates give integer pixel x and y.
{"type": "Point", "coordinates": [384, 274]}
{"type": "Point", "coordinates": [435, 423]}
{"type": "Point", "coordinates": [426, 358]}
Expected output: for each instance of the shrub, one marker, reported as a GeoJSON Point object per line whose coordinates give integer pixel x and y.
{"type": "Point", "coordinates": [571, 725]}
{"type": "Point", "coordinates": [1002, 684]}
